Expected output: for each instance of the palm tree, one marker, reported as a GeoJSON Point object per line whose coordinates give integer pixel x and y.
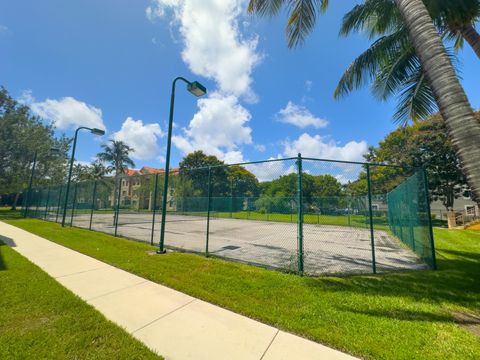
{"type": "Point", "coordinates": [453, 18]}
{"type": "Point", "coordinates": [97, 170]}
{"type": "Point", "coordinates": [117, 155]}
{"type": "Point", "coordinates": [391, 63]}
{"type": "Point", "coordinates": [452, 101]}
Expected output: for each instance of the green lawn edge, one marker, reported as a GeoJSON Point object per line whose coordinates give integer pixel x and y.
{"type": "Point", "coordinates": [390, 316]}
{"type": "Point", "coordinates": [40, 319]}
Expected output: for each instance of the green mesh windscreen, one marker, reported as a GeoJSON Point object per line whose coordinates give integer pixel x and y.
{"type": "Point", "coordinates": [408, 216]}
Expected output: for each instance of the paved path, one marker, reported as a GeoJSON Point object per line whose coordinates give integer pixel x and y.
{"type": "Point", "coordinates": [171, 323]}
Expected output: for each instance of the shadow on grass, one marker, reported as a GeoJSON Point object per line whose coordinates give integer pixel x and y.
{"type": "Point", "coordinates": [2, 262]}
{"type": "Point", "coordinates": [456, 283]}
{"type": "Point", "coordinates": [10, 214]}
{"type": "Point", "coordinates": [401, 314]}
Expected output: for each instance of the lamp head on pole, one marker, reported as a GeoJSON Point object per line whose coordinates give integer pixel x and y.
{"type": "Point", "coordinates": [96, 131]}
{"type": "Point", "coordinates": [196, 88]}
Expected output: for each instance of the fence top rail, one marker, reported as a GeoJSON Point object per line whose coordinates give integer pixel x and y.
{"type": "Point", "coordinates": [236, 164]}
{"type": "Point", "coordinates": [296, 158]}
{"type": "Point", "coordinates": [359, 163]}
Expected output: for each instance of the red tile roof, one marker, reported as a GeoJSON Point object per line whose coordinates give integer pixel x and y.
{"type": "Point", "coordinates": [148, 170]}
{"type": "Point", "coordinates": [151, 170]}
{"type": "Point", "coordinates": [130, 172]}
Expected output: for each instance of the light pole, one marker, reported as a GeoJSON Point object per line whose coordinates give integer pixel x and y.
{"type": "Point", "coordinates": [94, 131]}
{"type": "Point", "coordinates": [27, 200]}
{"type": "Point", "coordinates": [196, 89]}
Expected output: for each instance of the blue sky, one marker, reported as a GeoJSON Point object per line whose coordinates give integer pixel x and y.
{"type": "Point", "coordinates": [110, 63]}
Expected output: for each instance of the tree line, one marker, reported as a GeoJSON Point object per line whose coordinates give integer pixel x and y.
{"type": "Point", "coordinates": [26, 138]}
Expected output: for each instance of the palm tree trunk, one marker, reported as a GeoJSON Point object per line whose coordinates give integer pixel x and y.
{"type": "Point", "coordinates": [470, 34]}
{"type": "Point", "coordinates": [463, 127]}
{"type": "Point", "coordinates": [15, 201]}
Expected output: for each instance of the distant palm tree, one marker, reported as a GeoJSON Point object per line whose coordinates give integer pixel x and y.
{"type": "Point", "coordinates": [463, 127]}
{"type": "Point", "coordinates": [117, 155]}
{"type": "Point", "coordinates": [97, 170]}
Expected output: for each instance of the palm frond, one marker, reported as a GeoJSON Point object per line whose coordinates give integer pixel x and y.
{"type": "Point", "coordinates": [376, 17]}
{"type": "Point", "coordinates": [365, 67]}
{"type": "Point", "coordinates": [302, 19]}
{"type": "Point", "coordinates": [266, 7]}
{"type": "Point", "coordinates": [395, 70]}
{"type": "Point", "coordinates": [416, 101]}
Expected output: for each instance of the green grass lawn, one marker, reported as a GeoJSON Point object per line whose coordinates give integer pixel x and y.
{"type": "Point", "coordinates": [40, 319]}
{"type": "Point", "coordinates": [412, 315]}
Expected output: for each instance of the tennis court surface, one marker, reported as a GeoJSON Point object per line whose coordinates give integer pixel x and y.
{"type": "Point", "coordinates": [328, 249]}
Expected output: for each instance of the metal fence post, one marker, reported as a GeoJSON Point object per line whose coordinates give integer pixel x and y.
{"type": "Point", "coordinates": [299, 214]}
{"type": "Point", "coordinates": [29, 193]}
{"type": "Point", "coordinates": [73, 204]}
{"type": "Point", "coordinates": [38, 202]}
{"type": "Point", "coordinates": [208, 208]}
{"type": "Point", "coordinates": [24, 202]}
{"type": "Point", "coordinates": [59, 202]}
{"type": "Point", "coordinates": [231, 198]}
{"type": "Point", "coordinates": [429, 216]}
{"type": "Point", "coordinates": [154, 207]}
{"type": "Point", "coordinates": [411, 232]}
{"type": "Point", "coordinates": [94, 195]}
{"type": "Point", "coordinates": [46, 204]}
{"type": "Point", "coordinates": [370, 212]}
{"type": "Point", "coordinates": [117, 207]}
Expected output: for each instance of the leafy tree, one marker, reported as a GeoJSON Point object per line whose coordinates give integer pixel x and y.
{"type": "Point", "coordinates": [242, 182]}
{"type": "Point", "coordinates": [193, 174]}
{"type": "Point", "coordinates": [80, 173]}
{"type": "Point", "coordinates": [93, 171]}
{"type": "Point", "coordinates": [463, 127]}
{"type": "Point", "coordinates": [312, 186]}
{"type": "Point", "coordinates": [21, 136]}
{"type": "Point", "coordinates": [326, 186]}
{"type": "Point", "coordinates": [117, 155]}
{"type": "Point", "coordinates": [432, 147]}
{"type": "Point", "coordinates": [97, 170]}
{"type": "Point", "coordinates": [277, 204]}
{"type": "Point", "coordinates": [425, 143]}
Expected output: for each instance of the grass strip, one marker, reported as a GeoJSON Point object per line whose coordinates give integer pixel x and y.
{"type": "Point", "coordinates": [390, 316]}
{"type": "Point", "coordinates": [40, 319]}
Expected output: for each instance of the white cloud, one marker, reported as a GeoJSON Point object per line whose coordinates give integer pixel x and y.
{"type": "Point", "coordinates": [82, 162]}
{"type": "Point", "coordinates": [270, 170]}
{"type": "Point", "coordinates": [65, 113]}
{"type": "Point", "coordinates": [3, 29]}
{"type": "Point", "coordinates": [317, 147]}
{"type": "Point", "coordinates": [233, 157]}
{"type": "Point", "coordinates": [308, 85]}
{"type": "Point", "coordinates": [213, 44]}
{"type": "Point", "coordinates": [260, 147]}
{"type": "Point", "coordinates": [141, 137]}
{"type": "Point", "coordinates": [299, 116]}
{"type": "Point", "coordinates": [219, 128]}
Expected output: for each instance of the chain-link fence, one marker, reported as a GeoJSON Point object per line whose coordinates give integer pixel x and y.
{"type": "Point", "coordinates": [299, 214]}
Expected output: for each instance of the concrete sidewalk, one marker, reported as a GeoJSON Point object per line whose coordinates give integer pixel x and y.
{"type": "Point", "coordinates": [174, 325]}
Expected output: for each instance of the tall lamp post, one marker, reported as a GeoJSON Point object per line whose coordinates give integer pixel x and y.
{"type": "Point", "coordinates": [53, 151]}
{"type": "Point", "coordinates": [196, 89]}
{"type": "Point", "coordinates": [94, 131]}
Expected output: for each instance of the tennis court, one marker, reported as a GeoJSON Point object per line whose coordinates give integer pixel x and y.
{"type": "Point", "coordinates": [309, 216]}
{"type": "Point", "coordinates": [328, 249]}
